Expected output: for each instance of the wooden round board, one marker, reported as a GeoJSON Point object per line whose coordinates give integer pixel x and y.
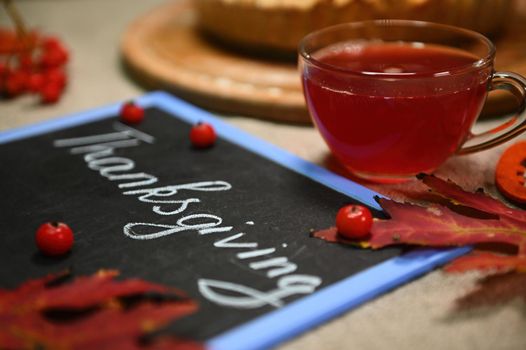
{"type": "Point", "coordinates": [164, 50]}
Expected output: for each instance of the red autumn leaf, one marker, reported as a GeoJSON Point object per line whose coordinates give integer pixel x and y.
{"type": "Point", "coordinates": [93, 312]}
{"type": "Point", "coordinates": [87, 291]}
{"type": "Point", "coordinates": [331, 235]}
{"type": "Point", "coordinates": [435, 226]}
{"type": "Point", "coordinates": [495, 289]}
{"type": "Point", "coordinates": [487, 261]}
{"type": "Point", "coordinates": [477, 200]}
{"type": "Point", "coordinates": [440, 226]}
{"type": "Point", "coordinates": [509, 226]}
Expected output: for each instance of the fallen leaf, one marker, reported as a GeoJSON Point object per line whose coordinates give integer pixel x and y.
{"type": "Point", "coordinates": [495, 289]}
{"type": "Point", "coordinates": [435, 226]}
{"type": "Point", "coordinates": [487, 261]}
{"type": "Point", "coordinates": [478, 200]}
{"type": "Point", "coordinates": [90, 312]}
{"type": "Point", "coordinates": [438, 225]}
{"type": "Point", "coordinates": [464, 219]}
{"type": "Point", "coordinates": [331, 235]}
{"type": "Point", "coordinates": [86, 291]}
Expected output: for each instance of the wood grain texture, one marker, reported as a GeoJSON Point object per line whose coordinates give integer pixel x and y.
{"type": "Point", "coordinates": [164, 50]}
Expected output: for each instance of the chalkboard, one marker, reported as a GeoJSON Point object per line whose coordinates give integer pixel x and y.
{"type": "Point", "coordinates": [229, 224]}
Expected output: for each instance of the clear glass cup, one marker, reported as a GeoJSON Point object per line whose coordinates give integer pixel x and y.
{"type": "Point", "coordinates": [394, 98]}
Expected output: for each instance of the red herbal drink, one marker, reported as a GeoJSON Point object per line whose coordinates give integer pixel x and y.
{"type": "Point", "coordinates": [393, 98]}
{"type": "Point", "coordinates": [403, 114]}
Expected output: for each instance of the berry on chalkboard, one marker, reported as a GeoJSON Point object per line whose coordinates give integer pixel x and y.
{"type": "Point", "coordinates": [202, 135]}
{"type": "Point", "coordinates": [54, 238]}
{"type": "Point", "coordinates": [131, 113]}
{"type": "Point", "coordinates": [354, 221]}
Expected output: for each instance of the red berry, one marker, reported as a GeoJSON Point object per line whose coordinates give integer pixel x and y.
{"type": "Point", "coordinates": [354, 221]}
{"type": "Point", "coordinates": [56, 76]}
{"type": "Point", "coordinates": [50, 93]}
{"type": "Point", "coordinates": [53, 57]}
{"type": "Point", "coordinates": [51, 42]}
{"type": "Point", "coordinates": [16, 82]}
{"type": "Point", "coordinates": [131, 113]}
{"type": "Point", "coordinates": [35, 82]}
{"type": "Point", "coordinates": [202, 135]}
{"type": "Point", "coordinates": [3, 69]}
{"type": "Point", "coordinates": [25, 61]}
{"type": "Point", "coordinates": [54, 238]}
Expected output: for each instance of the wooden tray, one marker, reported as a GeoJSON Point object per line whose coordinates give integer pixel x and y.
{"type": "Point", "coordinates": [164, 50]}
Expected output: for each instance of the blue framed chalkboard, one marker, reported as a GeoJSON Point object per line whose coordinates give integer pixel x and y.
{"type": "Point", "coordinates": [270, 297]}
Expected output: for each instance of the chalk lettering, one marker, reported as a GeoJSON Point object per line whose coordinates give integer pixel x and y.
{"type": "Point", "coordinates": [180, 226]}
{"type": "Point", "coordinates": [148, 180]}
{"type": "Point", "coordinates": [149, 195]}
{"type": "Point", "coordinates": [104, 146]}
{"type": "Point", "coordinates": [106, 152]}
{"type": "Point", "coordinates": [154, 195]}
{"type": "Point", "coordinates": [183, 205]}
{"type": "Point", "coordinates": [88, 140]}
{"type": "Point", "coordinates": [250, 298]}
{"type": "Point", "coordinates": [226, 242]}
{"type": "Point", "coordinates": [134, 132]}
{"type": "Point", "coordinates": [124, 132]}
{"type": "Point", "coordinates": [282, 266]}
{"type": "Point", "coordinates": [255, 253]}
{"type": "Point", "coordinates": [207, 231]}
{"type": "Point", "coordinates": [99, 154]}
{"type": "Point", "coordinates": [106, 166]}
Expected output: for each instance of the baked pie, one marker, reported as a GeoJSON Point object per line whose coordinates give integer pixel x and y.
{"type": "Point", "coordinates": [279, 25]}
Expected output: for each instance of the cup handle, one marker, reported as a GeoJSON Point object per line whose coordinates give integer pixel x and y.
{"type": "Point", "coordinates": [516, 84]}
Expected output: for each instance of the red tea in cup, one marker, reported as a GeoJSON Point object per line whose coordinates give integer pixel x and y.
{"type": "Point", "coordinates": [398, 129]}
{"type": "Point", "coordinates": [391, 103]}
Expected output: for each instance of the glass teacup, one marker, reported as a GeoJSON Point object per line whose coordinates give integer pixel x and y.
{"type": "Point", "coordinates": [394, 98]}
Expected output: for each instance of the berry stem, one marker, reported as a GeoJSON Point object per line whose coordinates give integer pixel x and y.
{"type": "Point", "coordinates": [15, 17]}
{"type": "Point", "coordinates": [20, 27]}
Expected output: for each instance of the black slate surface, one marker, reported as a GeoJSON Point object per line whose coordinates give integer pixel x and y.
{"type": "Point", "coordinates": [273, 206]}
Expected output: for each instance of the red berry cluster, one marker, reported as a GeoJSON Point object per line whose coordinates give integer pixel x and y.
{"type": "Point", "coordinates": [38, 70]}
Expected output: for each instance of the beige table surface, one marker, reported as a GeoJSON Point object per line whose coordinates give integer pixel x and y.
{"type": "Point", "coordinates": [418, 315]}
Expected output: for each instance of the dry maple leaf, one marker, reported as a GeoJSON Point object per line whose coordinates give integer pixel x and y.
{"type": "Point", "coordinates": [92, 312]}
{"type": "Point", "coordinates": [487, 261]}
{"type": "Point", "coordinates": [478, 200]}
{"type": "Point", "coordinates": [439, 226]}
